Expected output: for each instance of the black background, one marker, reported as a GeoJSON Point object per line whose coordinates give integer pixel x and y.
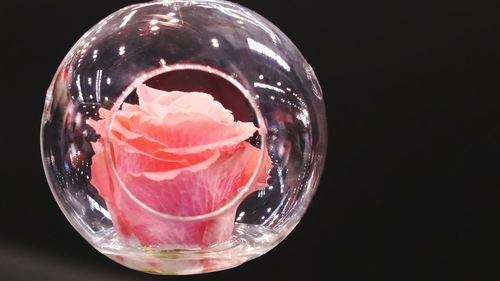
{"type": "Point", "coordinates": [411, 186]}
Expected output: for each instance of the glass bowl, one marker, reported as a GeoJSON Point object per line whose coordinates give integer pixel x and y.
{"type": "Point", "coordinates": [181, 137]}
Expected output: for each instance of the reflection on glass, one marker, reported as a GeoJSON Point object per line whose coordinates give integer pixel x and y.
{"type": "Point", "coordinates": [264, 50]}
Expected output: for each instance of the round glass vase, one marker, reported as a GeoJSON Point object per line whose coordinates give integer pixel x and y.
{"type": "Point", "coordinates": [181, 137]}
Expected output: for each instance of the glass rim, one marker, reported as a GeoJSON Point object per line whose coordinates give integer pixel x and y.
{"type": "Point", "coordinates": [262, 130]}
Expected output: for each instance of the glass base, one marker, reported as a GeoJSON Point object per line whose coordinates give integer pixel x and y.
{"type": "Point", "coordinates": [247, 242]}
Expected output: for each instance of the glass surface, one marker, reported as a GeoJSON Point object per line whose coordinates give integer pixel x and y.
{"type": "Point", "coordinates": [181, 137]}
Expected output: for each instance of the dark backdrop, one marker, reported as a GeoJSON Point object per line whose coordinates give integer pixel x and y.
{"type": "Point", "coordinates": [411, 187]}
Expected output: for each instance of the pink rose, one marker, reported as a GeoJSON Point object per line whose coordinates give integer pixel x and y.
{"type": "Point", "coordinates": [180, 154]}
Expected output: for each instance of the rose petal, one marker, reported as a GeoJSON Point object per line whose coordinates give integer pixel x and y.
{"type": "Point", "coordinates": [148, 155]}
{"type": "Point", "coordinates": [147, 94]}
{"type": "Point", "coordinates": [156, 170]}
{"type": "Point", "coordinates": [195, 135]}
{"type": "Point", "coordinates": [151, 230]}
{"type": "Point", "coordinates": [186, 195]}
{"type": "Point", "coordinates": [196, 191]}
{"type": "Point", "coordinates": [162, 103]}
{"type": "Point", "coordinates": [101, 178]}
{"type": "Point", "coordinates": [251, 164]}
{"type": "Point", "coordinates": [182, 134]}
